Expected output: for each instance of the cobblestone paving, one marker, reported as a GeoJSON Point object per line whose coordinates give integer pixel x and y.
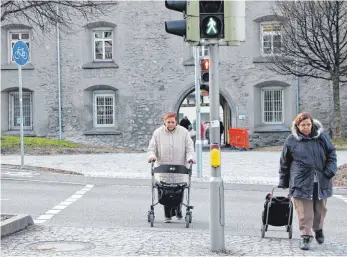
{"type": "Point", "coordinates": [152, 242]}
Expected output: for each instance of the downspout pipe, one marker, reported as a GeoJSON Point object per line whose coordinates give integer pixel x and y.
{"type": "Point", "coordinates": [59, 78]}
{"type": "Point", "coordinates": [297, 77]}
{"type": "Point", "coordinates": [297, 94]}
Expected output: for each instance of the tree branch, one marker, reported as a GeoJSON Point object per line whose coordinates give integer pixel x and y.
{"type": "Point", "coordinates": [44, 13]}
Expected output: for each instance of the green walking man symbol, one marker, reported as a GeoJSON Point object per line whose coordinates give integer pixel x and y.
{"type": "Point", "coordinates": [211, 26]}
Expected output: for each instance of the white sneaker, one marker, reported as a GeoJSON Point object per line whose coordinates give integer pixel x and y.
{"type": "Point", "coordinates": [167, 220]}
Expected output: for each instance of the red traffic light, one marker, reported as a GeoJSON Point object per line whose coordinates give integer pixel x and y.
{"type": "Point", "coordinates": [205, 65]}
{"type": "Point", "coordinates": [205, 68]}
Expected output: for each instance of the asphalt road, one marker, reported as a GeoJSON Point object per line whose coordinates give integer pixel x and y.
{"type": "Point", "coordinates": [124, 203]}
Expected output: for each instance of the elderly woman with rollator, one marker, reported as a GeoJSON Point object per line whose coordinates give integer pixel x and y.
{"type": "Point", "coordinates": [171, 144]}
{"type": "Point", "coordinates": [307, 165]}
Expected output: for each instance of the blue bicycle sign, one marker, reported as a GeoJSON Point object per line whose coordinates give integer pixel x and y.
{"type": "Point", "coordinates": [20, 53]}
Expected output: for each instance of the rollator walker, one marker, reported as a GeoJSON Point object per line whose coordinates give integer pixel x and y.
{"type": "Point", "coordinates": [171, 194]}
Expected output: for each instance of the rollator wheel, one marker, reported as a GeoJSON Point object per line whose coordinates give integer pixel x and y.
{"type": "Point", "coordinates": [151, 218]}
{"type": "Point", "coordinates": [190, 217]}
{"type": "Point", "coordinates": [263, 231]}
{"type": "Point", "coordinates": [187, 218]}
{"type": "Point", "coordinates": [148, 219]}
{"type": "Point", "coordinates": [290, 231]}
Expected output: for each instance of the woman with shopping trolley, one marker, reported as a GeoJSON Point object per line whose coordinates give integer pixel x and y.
{"type": "Point", "coordinates": [171, 144]}
{"type": "Point", "coordinates": [307, 165]}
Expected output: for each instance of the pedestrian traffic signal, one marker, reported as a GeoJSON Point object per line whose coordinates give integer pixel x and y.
{"type": "Point", "coordinates": [189, 27]}
{"type": "Point", "coordinates": [205, 70]}
{"type": "Point", "coordinates": [211, 19]}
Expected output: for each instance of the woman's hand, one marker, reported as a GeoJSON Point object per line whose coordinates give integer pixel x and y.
{"type": "Point", "coordinates": [151, 159]}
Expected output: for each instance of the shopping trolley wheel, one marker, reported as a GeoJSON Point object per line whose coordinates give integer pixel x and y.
{"type": "Point", "coordinates": [290, 231]}
{"type": "Point", "coordinates": [188, 219]}
{"type": "Point", "coordinates": [148, 219]}
{"type": "Point", "coordinates": [151, 218]}
{"type": "Point", "coordinates": [263, 231]}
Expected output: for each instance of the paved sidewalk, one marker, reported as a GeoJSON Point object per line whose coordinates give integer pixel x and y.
{"type": "Point", "coordinates": [71, 241]}
{"type": "Point", "coordinates": [237, 167]}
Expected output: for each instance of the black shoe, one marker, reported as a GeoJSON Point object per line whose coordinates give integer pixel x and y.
{"type": "Point", "coordinates": [305, 243]}
{"type": "Point", "coordinates": [179, 216]}
{"type": "Point", "coordinates": [319, 236]}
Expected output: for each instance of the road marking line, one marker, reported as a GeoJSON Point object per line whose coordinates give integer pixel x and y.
{"type": "Point", "coordinates": [39, 221]}
{"type": "Point", "coordinates": [66, 203]}
{"type": "Point", "coordinates": [56, 209]}
{"type": "Point", "coordinates": [45, 217]}
{"type": "Point", "coordinates": [59, 207]}
{"type": "Point", "coordinates": [71, 200]}
{"type": "Point", "coordinates": [76, 196]}
{"type": "Point", "coordinates": [341, 197]}
{"type": "Point", "coordinates": [53, 211]}
{"type": "Point", "coordinates": [80, 192]}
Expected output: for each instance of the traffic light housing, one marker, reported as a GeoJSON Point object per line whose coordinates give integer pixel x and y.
{"type": "Point", "coordinates": [234, 21]}
{"type": "Point", "coordinates": [211, 16]}
{"type": "Point", "coordinates": [205, 70]}
{"type": "Point", "coordinates": [189, 27]}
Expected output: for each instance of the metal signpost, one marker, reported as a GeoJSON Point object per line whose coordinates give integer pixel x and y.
{"type": "Point", "coordinates": [217, 220]}
{"type": "Point", "coordinates": [20, 54]}
{"type": "Point", "coordinates": [198, 142]}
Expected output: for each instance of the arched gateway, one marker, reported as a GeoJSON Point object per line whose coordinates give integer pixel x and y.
{"type": "Point", "coordinates": [226, 103]}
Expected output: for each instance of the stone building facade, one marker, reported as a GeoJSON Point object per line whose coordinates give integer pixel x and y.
{"type": "Point", "coordinates": [120, 73]}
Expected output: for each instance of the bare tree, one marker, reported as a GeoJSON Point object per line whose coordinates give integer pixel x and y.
{"type": "Point", "coordinates": [314, 44]}
{"type": "Point", "coordinates": [42, 14]}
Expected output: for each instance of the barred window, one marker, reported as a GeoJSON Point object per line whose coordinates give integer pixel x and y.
{"type": "Point", "coordinates": [104, 109]}
{"type": "Point", "coordinates": [14, 110]}
{"type": "Point", "coordinates": [272, 105]}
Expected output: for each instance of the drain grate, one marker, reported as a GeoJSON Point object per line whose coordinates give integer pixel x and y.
{"type": "Point", "coordinates": [60, 246]}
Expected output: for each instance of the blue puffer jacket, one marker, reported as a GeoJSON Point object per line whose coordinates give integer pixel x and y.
{"type": "Point", "coordinates": [302, 157]}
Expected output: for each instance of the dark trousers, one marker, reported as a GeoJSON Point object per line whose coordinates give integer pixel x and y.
{"type": "Point", "coordinates": [171, 211]}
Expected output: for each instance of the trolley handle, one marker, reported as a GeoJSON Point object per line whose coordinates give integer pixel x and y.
{"type": "Point", "coordinates": [152, 165]}
{"type": "Point", "coordinates": [273, 189]}
{"type": "Point", "coordinates": [190, 165]}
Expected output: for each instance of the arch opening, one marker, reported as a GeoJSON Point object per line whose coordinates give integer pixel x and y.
{"type": "Point", "coordinates": [186, 106]}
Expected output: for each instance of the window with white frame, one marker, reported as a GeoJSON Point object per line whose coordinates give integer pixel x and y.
{"type": "Point", "coordinates": [14, 36]}
{"type": "Point", "coordinates": [14, 110]}
{"type": "Point", "coordinates": [104, 109]}
{"type": "Point", "coordinates": [271, 38]}
{"type": "Point", "coordinates": [204, 51]}
{"type": "Point", "coordinates": [102, 44]}
{"type": "Point", "coordinates": [272, 105]}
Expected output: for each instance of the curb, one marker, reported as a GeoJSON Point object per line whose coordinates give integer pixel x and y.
{"type": "Point", "coordinates": [15, 223]}
{"type": "Point", "coordinates": [43, 169]}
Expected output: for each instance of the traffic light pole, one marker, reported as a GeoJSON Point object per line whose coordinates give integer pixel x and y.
{"type": "Point", "coordinates": [198, 143]}
{"type": "Point", "coordinates": [217, 219]}
{"type": "Point", "coordinates": [21, 117]}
